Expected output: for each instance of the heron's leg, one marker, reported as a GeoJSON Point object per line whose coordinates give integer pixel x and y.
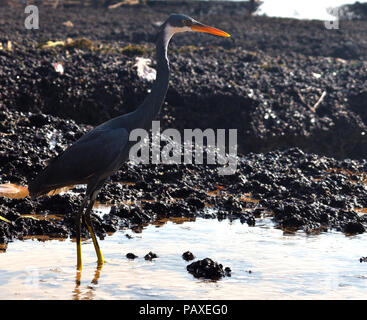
{"type": "Point", "coordinates": [78, 218]}
{"type": "Point", "coordinates": [89, 224]}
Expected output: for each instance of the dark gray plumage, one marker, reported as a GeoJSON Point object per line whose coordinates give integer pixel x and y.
{"type": "Point", "coordinates": [101, 151]}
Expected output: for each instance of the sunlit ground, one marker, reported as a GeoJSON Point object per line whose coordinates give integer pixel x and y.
{"type": "Point", "coordinates": [311, 9]}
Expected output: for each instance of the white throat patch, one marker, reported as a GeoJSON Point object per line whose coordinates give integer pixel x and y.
{"type": "Point", "coordinates": [169, 31]}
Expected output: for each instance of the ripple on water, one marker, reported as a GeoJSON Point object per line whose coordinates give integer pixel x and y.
{"type": "Point", "coordinates": [265, 263]}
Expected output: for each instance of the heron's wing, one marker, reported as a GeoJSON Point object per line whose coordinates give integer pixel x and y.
{"type": "Point", "coordinates": [95, 154]}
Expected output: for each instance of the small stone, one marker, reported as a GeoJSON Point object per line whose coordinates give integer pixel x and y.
{"type": "Point", "coordinates": [188, 256]}
{"type": "Point", "coordinates": [150, 256]}
{"type": "Point", "coordinates": [131, 256]}
{"type": "Point", "coordinates": [228, 271]}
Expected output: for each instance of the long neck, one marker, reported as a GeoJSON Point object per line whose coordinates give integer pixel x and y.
{"type": "Point", "coordinates": [151, 106]}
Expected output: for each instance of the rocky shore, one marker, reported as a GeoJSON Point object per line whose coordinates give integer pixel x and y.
{"type": "Point", "coordinates": [294, 90]}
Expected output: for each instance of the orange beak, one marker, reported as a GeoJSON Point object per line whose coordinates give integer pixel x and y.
{"type": "Point", "coordinates": [203, 28]}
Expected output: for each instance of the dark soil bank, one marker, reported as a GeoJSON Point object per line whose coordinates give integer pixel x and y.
{"type": "Point", "coordinates": [267, 83]}
{"type": "Point", "coordinates": [264, 81]}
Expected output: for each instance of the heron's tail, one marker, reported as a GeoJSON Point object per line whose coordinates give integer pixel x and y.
{"type": "Point", "coordinates": [42, 184]}
{"type": "Point", "coordinates": [37, 188]}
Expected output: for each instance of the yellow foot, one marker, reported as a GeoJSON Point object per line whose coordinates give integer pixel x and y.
{"type": "Point", "coordinates": [100, 263]}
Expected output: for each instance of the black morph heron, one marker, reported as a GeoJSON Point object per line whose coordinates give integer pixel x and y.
{"type": "Point", "coordinates": [98, 154]}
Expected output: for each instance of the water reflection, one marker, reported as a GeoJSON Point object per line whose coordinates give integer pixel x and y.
{"type": "Point", "coordinates": [265, 263]}
{"type": "Point", "coordinates": [79, 293]}
{"type": "Point", "coordinates": [13, 191]}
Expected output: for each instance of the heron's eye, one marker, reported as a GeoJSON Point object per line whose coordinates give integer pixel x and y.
{"type": "Point", "coordinates": [186, 23]}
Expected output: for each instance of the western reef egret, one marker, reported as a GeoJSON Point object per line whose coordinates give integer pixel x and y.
{"type": "Point", "coordinates": [98, 154]}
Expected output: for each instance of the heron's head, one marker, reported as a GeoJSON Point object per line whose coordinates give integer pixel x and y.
{"type": "Point", "coordinates": [181, 23]}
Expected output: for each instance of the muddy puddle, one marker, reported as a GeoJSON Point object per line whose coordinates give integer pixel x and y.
{"type": "Point", "coordinates": [265, 263]}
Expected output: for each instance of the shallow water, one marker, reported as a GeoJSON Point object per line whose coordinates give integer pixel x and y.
{"type": "Point", "coordinates": [265, 263]}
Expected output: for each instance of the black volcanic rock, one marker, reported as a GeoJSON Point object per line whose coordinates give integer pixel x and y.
{"type": "Point", "coordinates": [207, 269]}
{"type": "Point", "coordinates": [300, 161]}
